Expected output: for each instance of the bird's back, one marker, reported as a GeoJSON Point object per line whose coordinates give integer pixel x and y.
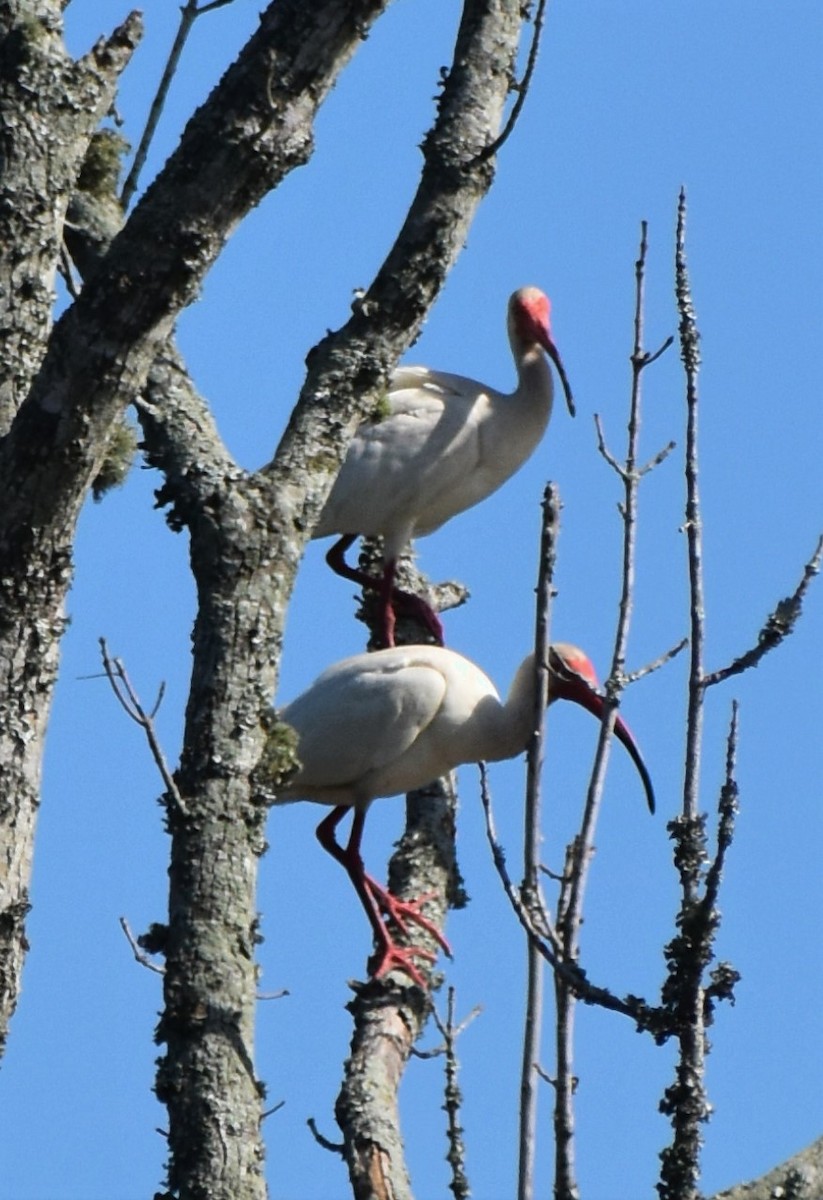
{"type": "Point", "coordinates": [384, 723]}
{"type": "Point", "coordinates": [447, 443]}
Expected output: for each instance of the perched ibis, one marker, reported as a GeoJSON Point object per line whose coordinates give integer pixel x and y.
{"type": "Point", "coordinates": [445, 444]}
{"type": "Point", "coordinates": [389, 722]}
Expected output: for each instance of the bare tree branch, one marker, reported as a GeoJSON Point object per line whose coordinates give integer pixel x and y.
{"type": "Point", "coordinates": [437, 1051]}
{"type": "Point", "coordinates": [799, 1178]}
{"type": "Point", "coordinates": [189, 13]}
{"type": "Point", "coordinates": [49, 106]}
{"type": "Point", "coordinates": [685, 1099]}
{"type": "Point", "coordinates": [777, 627]}
{"type": "Point", "coordinates": [656, 1021]}
{"type": "Point", "coordinates": [334, 1147]}
{"type": "Point", "coordinates": [530, 890]}
{"type": "Point", "coordinates": [456, 1157]}
{"type": "Point", "coordinates": [254, 129]}
{"type": "Point", "coordinates": [579, 853]}
{"type": "Point", "coordinates": [657, 663]}
{"type": "Point", "coordinates": [522, 86]}
{"type": "Point", "coordinates": [128, 698]}
{"type": "Point", "coordinates": [141, 956]}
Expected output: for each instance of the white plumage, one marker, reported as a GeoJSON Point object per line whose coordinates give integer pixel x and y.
{"type": "Point", "coordinates": [389, 722]}
{"type": "Point", "coordinates": [446, 443]}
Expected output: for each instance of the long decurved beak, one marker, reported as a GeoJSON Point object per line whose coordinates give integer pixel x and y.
{"type": "Point", "coordinates": [554, 355]}
{"type": "Point", "coordinates": [568, 684]}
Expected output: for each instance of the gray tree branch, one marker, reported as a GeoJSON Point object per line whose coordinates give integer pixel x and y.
{"type": "Point", "coordinates": [49, 107]}
{"type": "Point", "coordinates": [798, 1178]}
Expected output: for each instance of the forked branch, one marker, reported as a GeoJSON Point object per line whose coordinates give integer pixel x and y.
{"type": "Point", "coordinates": [189, 13]}
{"type": "Point", "coordinates": [130, 701]}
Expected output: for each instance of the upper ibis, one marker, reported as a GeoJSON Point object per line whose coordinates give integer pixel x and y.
{"type": "Point", "coordinates": [389, 722]}
{"type": "Point", "coordinates": [445, 444]}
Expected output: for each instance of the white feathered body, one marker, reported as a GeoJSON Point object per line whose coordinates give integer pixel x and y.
{"type": "Point", "coordinates": [446, 443]}
{"type": "Point", "coordinates": [385, 723]}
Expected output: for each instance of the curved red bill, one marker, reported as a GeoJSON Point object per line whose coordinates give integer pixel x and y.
{"type": "Point", "coordinates": [573, 678]}
{"type": "Point", "coordinates": [554, 355]}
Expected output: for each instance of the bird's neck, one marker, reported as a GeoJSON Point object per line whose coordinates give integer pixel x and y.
{"type": "Point", "coordinates": [534, 378]}
{"type": "Point", "coordinates": [516, 719]}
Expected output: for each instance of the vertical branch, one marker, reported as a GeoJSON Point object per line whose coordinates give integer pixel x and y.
{"type": "Point", "coordinates": [685, 1099]}
{"type": "Point", "coordinates": [629, 472]}
{"type": "Point", "coordinates": [459, 1184]}
{"type": "Point", "coordinates": [530, 888]}
{"type": "Point", "coordinates": [580, 852]}
{"type": "Point", "coordinates": [690, 356]}
{"type": "Point", "coordinates": [565, 1083]}
{"type": "Point", "coordinates": [575, 882]}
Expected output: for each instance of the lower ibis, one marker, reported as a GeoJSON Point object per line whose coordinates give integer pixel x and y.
{"type": "Point", "coordinates": [386, 723]}
{"type": "Point", "coordinates": [443, 444]}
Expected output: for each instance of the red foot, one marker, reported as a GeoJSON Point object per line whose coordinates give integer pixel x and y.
{"type": "Point", "coordinates": [392, 957]}
{"type": "Point", "coordinates": [407, 604]}
{"type": "Point", "coordinates": [400, 911]}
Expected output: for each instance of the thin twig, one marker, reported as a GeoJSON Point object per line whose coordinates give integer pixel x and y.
{"type": "Point", "coordinates": [521, 88]}
{"type": "Point", "coordinates": [528, 918]}
{"type": "Point", "coordinates": [648, 358]}
{"type": "Point", "coordinates": [334, 1147]}
{"type": "Point", "coordinates": [530, 888]}
{"type": "Point", "coordinates": [269, 1112]}
{"type": "Point", "coordinates": [188, 15]}
{"type": "Point", "coordinates": [727, 811]}
{"type": "Point", "coordinates": [610, 458]}
{"type": "Point", "coordinates": [571, 898]}
{"type": "Point", "coordinates": [437, 1051]}
{"type": "Point", "coordinates": [655, 664]}
{"type": "Point", "coordinates": [565, 1081]}
{"type": "Point", "coordinates": [656, 1020]}
{"type": "Point", "coordinates": [603, 448]}
{"type": "Point", "coordinates": [658, 458]}
{"type": "Point", "coordinates": [138, 953]}
{"type": "Point", "coordinates": [125, 693]}
{"type": "Point", "coordinates": [777, 627]}
{"type": "Point", "coordinates": [456, 1157]}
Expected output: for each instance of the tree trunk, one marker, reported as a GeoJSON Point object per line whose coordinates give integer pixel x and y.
{"type": "Point", "coordinates": [49, 108]}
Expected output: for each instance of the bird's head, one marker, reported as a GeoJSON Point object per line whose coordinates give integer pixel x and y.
{"type": "Point", "coordinates": [529, 325]}
{"type": "Point", "coordinates": [572, 677]}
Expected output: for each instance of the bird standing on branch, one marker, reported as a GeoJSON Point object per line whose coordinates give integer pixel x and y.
{"type": "Point", "coordinates": [389, 722]}
{"type": "Point", "coordinates": [445, 444]}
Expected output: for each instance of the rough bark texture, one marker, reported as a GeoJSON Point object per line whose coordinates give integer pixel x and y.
{"type": "Point", "coordinates": [247, 532]}
{"type": "Point", "coordinates": [254, 128]}
{"type": "Point", "coordinates": [389, 1015]}
{"type": "Point", "coordinates": [49, 107]}
{"type": "Point", "coordinates": [799, 1178]}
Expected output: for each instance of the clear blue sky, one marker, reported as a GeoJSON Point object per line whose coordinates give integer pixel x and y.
{"type": "Point", "coordinates": [631, 99]}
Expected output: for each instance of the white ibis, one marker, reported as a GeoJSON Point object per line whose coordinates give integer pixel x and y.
{"type": "Point", "coordinates": [384, 723]}
{"type": "Point", "coordinates": [445, 444]}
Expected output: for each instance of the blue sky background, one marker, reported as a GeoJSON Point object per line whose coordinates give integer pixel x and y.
{"type": "Point", "coordinates": [630, 100]}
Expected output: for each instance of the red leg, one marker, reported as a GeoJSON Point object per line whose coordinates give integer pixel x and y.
{"type": "Point", "coordinates": [406, 604]}
{"type": "Point", "coordinates": [392, 600]}
{"type": "Point", "coordinates": [336, 558]}
{"type": "Point", "coordinates": [388, 955]}
{"type": "Point", "coordinates": [401, 911]}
